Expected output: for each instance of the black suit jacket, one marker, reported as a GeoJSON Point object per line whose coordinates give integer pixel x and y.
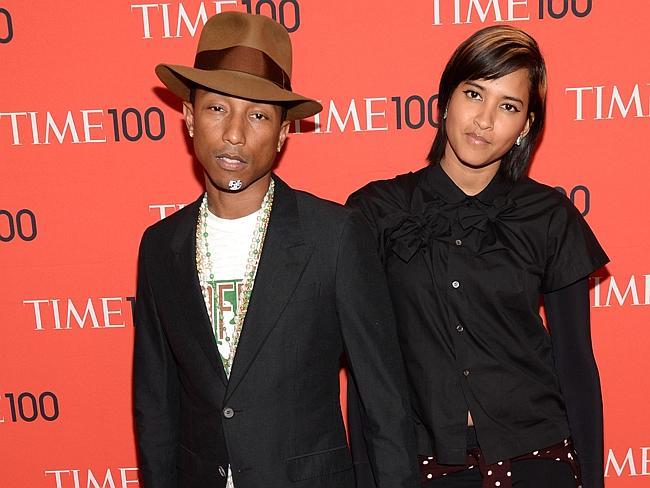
{"type": "Point", "coordinates": [320, 293]}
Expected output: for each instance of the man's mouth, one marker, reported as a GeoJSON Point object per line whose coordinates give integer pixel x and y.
{"type": "Point", "coordinates": [231, 161]}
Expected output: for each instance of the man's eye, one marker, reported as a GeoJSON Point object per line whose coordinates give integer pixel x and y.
{"type": "Point", "coordinates": [259, 116]}
{"type": "Point", "coordinates": [216, 108]}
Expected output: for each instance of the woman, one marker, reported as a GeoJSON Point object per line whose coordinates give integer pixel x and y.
{"type": "Point", "coordinates": [470, 246]}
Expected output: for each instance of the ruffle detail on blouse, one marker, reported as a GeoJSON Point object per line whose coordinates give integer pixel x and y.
{"type": "Point", "coordinates": [479, 217]}
{"type": "Point", "coordinates": [410, 232]}
{"type": "Point", "coordinates": [414, 231]}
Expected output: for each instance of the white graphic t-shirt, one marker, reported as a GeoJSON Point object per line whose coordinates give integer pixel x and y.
{"type": "Point", "coordinates": [229, 241]}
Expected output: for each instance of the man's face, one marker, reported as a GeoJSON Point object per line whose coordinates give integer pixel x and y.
{"type": "Point", "coordinates": [234, 139]}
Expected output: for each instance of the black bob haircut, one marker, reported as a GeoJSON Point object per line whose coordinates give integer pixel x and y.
{"type": "Point", "coordinates": [489, 54]}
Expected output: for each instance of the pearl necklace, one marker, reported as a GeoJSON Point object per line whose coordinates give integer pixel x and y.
{"type": "Point", "coordinates": [204, 267]}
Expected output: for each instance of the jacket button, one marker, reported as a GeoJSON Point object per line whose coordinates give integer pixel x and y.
{"type": "Point", "coordinates": [222, 472]}
{"type": "Point", "coordinates": [460, 328]}
{"type": "Point", "coordinates": [466, 372]}
{"type": "Point", "coordinates": [228, 412]}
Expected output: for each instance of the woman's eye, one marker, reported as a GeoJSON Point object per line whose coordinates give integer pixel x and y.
{"type": "Point", "coordinates": [510, 108]}
{"type": "Point", "coordinates": [472, 94]}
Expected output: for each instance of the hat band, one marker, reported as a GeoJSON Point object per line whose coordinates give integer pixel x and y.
{"type": "Point", "coordinates": [246, 60]}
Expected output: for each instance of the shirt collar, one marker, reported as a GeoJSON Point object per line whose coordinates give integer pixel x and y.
{"type": "Point", "coordinates": [436, 179]}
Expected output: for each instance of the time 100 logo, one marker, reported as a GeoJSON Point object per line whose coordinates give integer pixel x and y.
{"type": "Point", "coordinates": [29, 407]}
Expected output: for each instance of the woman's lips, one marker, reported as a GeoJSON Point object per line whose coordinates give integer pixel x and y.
{"type": "Point", "coordinates": [474, 138]}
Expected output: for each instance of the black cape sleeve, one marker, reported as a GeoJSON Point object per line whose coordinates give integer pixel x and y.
{"type": "Point", "coordinates": [572, 250]}
{"type": "Point", "coordinates": [384, 203]}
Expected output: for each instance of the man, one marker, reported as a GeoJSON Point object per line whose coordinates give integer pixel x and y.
{"type": "Point", "coordinates": [248, 298]}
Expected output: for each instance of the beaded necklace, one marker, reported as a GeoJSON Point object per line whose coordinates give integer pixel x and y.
{"type": "Point", "coordinates": [206, 271]}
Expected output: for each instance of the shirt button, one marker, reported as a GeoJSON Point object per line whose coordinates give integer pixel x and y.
{"type": "Point", "coordinates": [222, 472]}
{"type": "Point", "coordinates": [460, 328]}
{"type": "Point", "coordinates": [466, 372]}
{"type": "Point", "coordinates": [459, 242]}
{"type": "Point", "coordinates": [455, 284]}
{"type": "Point", "coordinates": [228, 412]}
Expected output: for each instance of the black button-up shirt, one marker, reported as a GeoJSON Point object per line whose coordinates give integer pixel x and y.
{"type": "Point", "coordinates": [466, 275]}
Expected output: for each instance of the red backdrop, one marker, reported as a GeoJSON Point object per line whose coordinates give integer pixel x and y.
{"type": "Point", "coordinates": [92, 151]}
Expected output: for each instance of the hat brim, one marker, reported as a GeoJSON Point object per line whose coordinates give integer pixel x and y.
{"type": "Point", "coordinates": [179, 80]}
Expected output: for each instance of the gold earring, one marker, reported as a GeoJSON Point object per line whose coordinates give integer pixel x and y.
{"type": "Point", "coordinates": [519, 139]}
{"type": "Point", "coordinates": [191, 132]}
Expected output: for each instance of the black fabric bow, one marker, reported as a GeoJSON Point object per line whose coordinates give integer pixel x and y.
{"type": "Point", "coordinates": [479, 216]}
{"type": "Point", "coordinates": [413, 231]}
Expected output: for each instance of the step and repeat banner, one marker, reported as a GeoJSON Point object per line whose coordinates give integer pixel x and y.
{"type": "Point", "coordinates": [92, 151]}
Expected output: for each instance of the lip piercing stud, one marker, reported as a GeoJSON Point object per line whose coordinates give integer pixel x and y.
{"type": "Point", "coordinates": [234, 185]}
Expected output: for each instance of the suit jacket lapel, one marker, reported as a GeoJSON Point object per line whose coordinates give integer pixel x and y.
{"type": "Point", "coordinates": [191, 298]}
{"type": "Point", "coordinates": [284, 256]}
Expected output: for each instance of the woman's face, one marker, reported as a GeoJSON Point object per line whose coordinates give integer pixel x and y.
{"type": "Point", "coordinates": [485, 117]}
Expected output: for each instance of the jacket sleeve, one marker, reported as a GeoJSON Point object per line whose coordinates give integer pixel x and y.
{"type": "Point", "coordinates": [567, 310]}
{"type": "Point", "coordinates": [155, 388]}
{"type": "Point", "coordinates": [360, 457]}
{"type": "Point", "coordinates": [375, 362]}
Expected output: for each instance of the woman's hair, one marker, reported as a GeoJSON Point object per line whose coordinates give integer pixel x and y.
{"type": "Point", "coordinates": [489, 54]}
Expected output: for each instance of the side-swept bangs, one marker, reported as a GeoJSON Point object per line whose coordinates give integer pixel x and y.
{"type": "Point", "coordinates": [489, 54]}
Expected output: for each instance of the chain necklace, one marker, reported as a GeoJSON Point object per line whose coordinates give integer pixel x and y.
{"type": "Point", "coordinates": [206, 270]}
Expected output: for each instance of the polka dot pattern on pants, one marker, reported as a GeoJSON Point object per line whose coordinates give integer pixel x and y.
{"type": "Point", "coordinates": [498, 474]}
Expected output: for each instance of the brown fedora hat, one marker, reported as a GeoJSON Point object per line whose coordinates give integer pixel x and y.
{"type": "Point", "coordinates": [245, 56]}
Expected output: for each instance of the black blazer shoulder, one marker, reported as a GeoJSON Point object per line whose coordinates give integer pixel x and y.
{"type": "Point", "coordinates": [174, 228]}
{"type": "Point", "coordinates": [316, 215]}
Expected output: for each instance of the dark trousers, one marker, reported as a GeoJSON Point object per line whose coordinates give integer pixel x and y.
{"type": "Point", "coordinates": [529, 473]}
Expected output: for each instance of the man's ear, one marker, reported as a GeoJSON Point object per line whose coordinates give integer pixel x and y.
{"type": "Point", "coordinates": [188, 115]}
{"type": "Point", "coordinates": [284, 132]}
